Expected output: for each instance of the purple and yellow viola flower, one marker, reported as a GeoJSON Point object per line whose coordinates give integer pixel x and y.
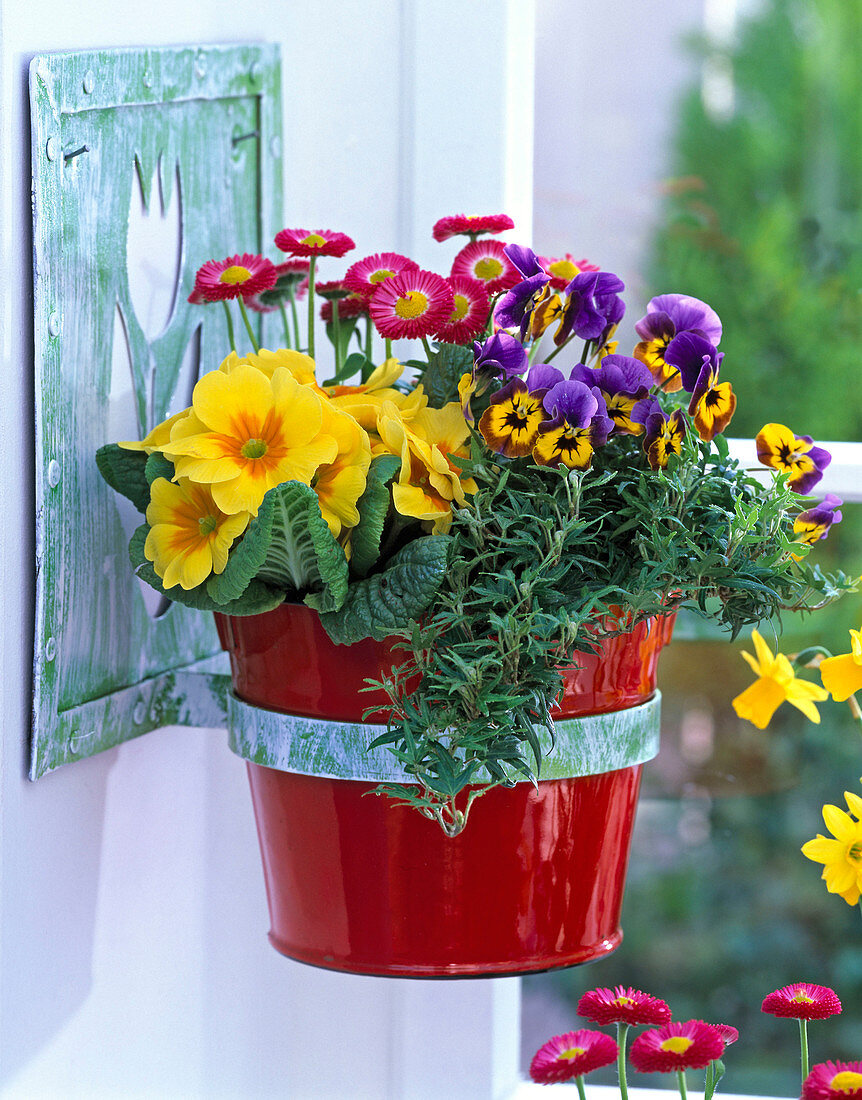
{"type": "Point", "coordinates": [663, 437]}
{"type": "Point", "coordinates": [668, 316]}
{"type": "Point", "coordinates": [778, 447]}
{"type": "Point", "coordinates": [517, 305]}
{"type": "Point", "coordinates": [500, 355]}
{"type": "Point", "coordinates": [713, 403]}
{"type": "Point", "coordinates": [592, 307]}
{"type": "Point", "coordinates": [510, 424]}
{"type": "Point", "coordinates": [814, 523]}
{"type": "Point", "coordinates": [623, 382]}
{"type": "Point", "coordinates": [578, 424]}
{"type": "Point", "coordinates": [543, 377]}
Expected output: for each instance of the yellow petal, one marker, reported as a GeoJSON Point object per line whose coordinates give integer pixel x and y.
{"type": "Point", "coordinates": [236, 404]}
{"type": "Point", "coordinates": [841, 676]}
{"type": "Point", "coordinates": [758, 703]}
{"type": "Point", "coordinates": [840, 824]}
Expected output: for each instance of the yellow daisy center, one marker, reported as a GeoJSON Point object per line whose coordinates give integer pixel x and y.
{"type": "Point", "coordinates": [846, 1081]}
{"type": "Point", "coordinates": [234, 274]}
{"type": "Point", "coordinates": [462, 304]}
{"type": "Point", "coordinates": [488, 268]}
{"type": "Point", "coordinates": [413, 304]}
{"type": "Point", "coordinates": [802, 998]}
{"type": "Point", "coordinates": [572, 1052]}
{"type": "Point", "coordinates": [380, 275]}
{"type": "Point", "coordinates": [564, 269]}
{"type": "Point", "coordinates": [313, 240]}
{"type": "Point", "coordinates": [254, 448]}
{"type": "Point", "coordinates": [624, 1002]}
{"type": "Point", "coordinates": [207, 525]}
{"type": "Point", "coordinates": [677, 1044]}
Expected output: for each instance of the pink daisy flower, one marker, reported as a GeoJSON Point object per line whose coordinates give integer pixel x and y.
{"type": "Point", "coordinates": [259, 306]}
{"type": "Point", "coordinates": [322, 242]}
{"type": "Point", "coordinates": [365, 275]}
{"type": "Point", "coordinates": [572, 1055]}
{"type": "Point", "coordinates": [833, 1081]}
{"type": "Point", "coordinates": [728, 1033]}
{"type": "Point", "coordinates": [564, 268]}
{"type": "Point", "coordinates": [334, 288]}
{"type": "Point", "coordinates": [237, 276]}
{"type": "Point", "coordinates": [471, 225]}
{"type": "Point", "coordinates": [487, 262]}
{"type": "Point", "coordinates": [412, 304]}
{"type": "Point", "coordinates": [623, 1005]}
{"type": "Point", "coordinates": [354, 306]}
{"type": "Point", "coordinates": [689, 1045]}
{"type": "Point", "coordinates": [469, 315]}
{"type": "Point", "coordinates": [802, 1001]}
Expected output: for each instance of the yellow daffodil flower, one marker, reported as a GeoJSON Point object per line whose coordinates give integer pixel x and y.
{"type": "Point", "coordinates": [841, 856]}
{"type": "Point", "coordinates": [248, 433]}
{"type": "Point", "coordinates": [341, 483]}
{"type": "Point", "coordinates": [776, 683]}
{"type": "Point", "coordinates": [842, 675]}
{"type": "Point", "coordinates": [189, 536]}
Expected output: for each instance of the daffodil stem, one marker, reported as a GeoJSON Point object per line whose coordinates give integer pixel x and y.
{"type": "Point", "coordinates": [311, 264]}
{"type": "Point", "coordinates": [803, 1046]}
{"type": "Point", "coordinates": [680, 1077]}
{"type": "Point", "coordinates": [245, 319]}
{"type": "Point", "coordinates": [229, 321]}
{"type": "Point", "coordinates": [622, 1032]}
{"type": "Point", "coordinates": [285, 324]}
{"type": "Point", "coordinates": [579, 1081]}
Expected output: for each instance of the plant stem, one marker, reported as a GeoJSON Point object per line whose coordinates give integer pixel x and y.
{"type": "Point", "coordinates": [557, 350]}
{"type": "Point", "coordinates": [336, 336]}
{"type": "Point", "coordinates": [388, 349]}
{"type": "Point", "coordinates": [709, 1082]}
{"type": "Point", "coordinates": [622, 1032]}
{"type": "Point", "coordinates": [291, 297]}
{"type": "Point", "coordinates": [803, 1046]}
{"type": "Point", "coordinates": [229, 321]}
{"type": "Point", "coordinates": [579, 1081]}
{"type": "Point", "coordinates": [247, 324]}
{"type": "Point", "coordinates": [311, 265]}
{"type": "Point", "coordinates": [680, 1077]}
{"type": "Point", "coordinates": [285, 324]}
{"type": "Point", "coordinates": [369, 347]}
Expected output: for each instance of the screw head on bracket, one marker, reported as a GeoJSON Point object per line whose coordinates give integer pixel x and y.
{"type": "Point", "coordinates": [275, 146]}
{"type": "Point", "coordinates": [89, 81]}
{"type": "Point", "coordinates": [50, 649]}
{"type": "Point", "coordinates": [53, 473]}
{"type": "Point", "coordinates": [54, 325]}
{"type": "Point", "coordinates": [52, 148]}
{"type": "Point", "coordinates": [140, 712]}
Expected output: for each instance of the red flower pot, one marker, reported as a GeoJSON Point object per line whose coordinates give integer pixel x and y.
{"type": "Point", "coordinates": [358, 884]}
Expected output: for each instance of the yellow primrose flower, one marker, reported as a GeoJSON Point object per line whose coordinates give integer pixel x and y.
{"type": "Point", "coordinates": [300, 365]}
{"type": "Point", "coordinates": [248, 433]}
{"type": "Point", "coordinates": [366, 407]}
{"type": "Point", "coordinates": [341, 483]}
{"type": "Point", "coordinates": [841, 857]}
{"type": "Point", "coordinates": [776, 683]}
{"type": "Point", "coordinates": [189, 536]}
{"type": "Point", "coordinates": [842, 675]}
{"type": "Point", "coordinates": [160, 435]}
{"type": "Point", "coordinates": [381, 378]}
{"type": "Point", "coordinates": [428, 482]}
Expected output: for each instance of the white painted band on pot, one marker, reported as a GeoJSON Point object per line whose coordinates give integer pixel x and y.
{"type": "Point", "coordinates": [337, 750]}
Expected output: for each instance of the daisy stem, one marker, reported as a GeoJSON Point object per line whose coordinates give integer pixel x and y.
{"type": "Point", "coordinates": [388, 349]}
{"type": "Point", "coordinates": [311, 264]}
{"type": "Point", "coordinates": [229, 321]}
{"type": "Point", "coordinates": [336, 336]}
{"type": "Point", "coordinates": [803, 1046]}
{"type": "Point", "coordinates": [291, 297]}
{"type": "Point", "coordinates": [247, 324]}
{"type": "Point", "coordinates": [579, 1081]}
{"type": "Point", "coordinates": [427, 348]}
{"type": "Point", "coordinates": [287, 341]}
{"type": "Point", "coordinates": [369, 347]}
{"type": "Point", "coordinates": [709, 1082]}
{"type": "Point", "coordinates": [680, 1076]}
{"type": "Point", "coordinates": [622, 1032]}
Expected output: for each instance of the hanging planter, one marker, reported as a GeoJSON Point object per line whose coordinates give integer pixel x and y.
{"type": "Point", "coordinates": [358, 884]}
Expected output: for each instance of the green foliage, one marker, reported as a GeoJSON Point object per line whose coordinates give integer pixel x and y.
{"type": "Point", "coordinates": [373, 507]}
{"type": "Point", "coordinates": [256, 598]}
{"type": "Point", "coordinates": [125, 472]}
{"type": "Point", "coordinates": [158, 466]}
{"type": "Point", "coordinates": [384, 604]}
{"type": "Point", "coordinates": [440, 376]}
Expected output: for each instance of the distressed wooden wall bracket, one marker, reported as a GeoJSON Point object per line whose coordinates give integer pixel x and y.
{"type": "Point", "coordinates": [130, 148]}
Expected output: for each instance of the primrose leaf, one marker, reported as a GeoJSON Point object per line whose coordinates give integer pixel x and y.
{"type": "Point", "coordinates": [383, 604]}
{"type": "Point", "coordinates": [125, 472]}
{"type": "Point", "coordinates": [158, 466]}
{"type": "Point", "coordinates": [246, 557]}
{"type": "Point", "coordinates": [373, 508]}
{"type": "Point", "coordinates": [256, 598]}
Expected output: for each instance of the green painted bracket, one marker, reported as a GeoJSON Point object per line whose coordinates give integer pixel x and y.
{"type": "Point", "coordinates": [130, 148]}
{"type": "Point", "coordinates": [313, 746]}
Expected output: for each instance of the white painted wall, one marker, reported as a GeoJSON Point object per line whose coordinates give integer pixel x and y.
{"type": "Point", "coordinates": [133, 956]}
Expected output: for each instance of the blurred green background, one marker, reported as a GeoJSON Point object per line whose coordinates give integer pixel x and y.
{"type": "Point", "coordinates": [762, 219]}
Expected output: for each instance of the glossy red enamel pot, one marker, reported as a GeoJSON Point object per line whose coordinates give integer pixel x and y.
{"type": "Point", "coordinates": [358, 884]}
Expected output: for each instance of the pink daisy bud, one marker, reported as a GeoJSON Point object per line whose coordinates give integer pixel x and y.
{"type": "Point", "coordinates": [469, 315]}
{"type": "Point", "coordinates": [322, 242]}
{"type": "Point", "coordinates": [354, 306]}
{"type": "Point", "coordinates": [802, 1001]}
{"type": "Point", "coordinates": [237, 276]}
{"type": "Point", "coordinates": [488, 263]}
{"type": "Point", "coordinates": [623, 1005]}
{"type": "Point", "coordinates": [572, 1055]}
{"type": "Point", "coordinates": [728, 1033]}
{"type": "Point", "coordinates": [833, 1081]}
{"type": "Point", "coordinates": [689, 1045]}
{"type": "Point", "coordinates": [471, 225]}
{"type": "Point", "coordinates": [411, 305]}
{"type": "Point", "coordinates": [365, 275]}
